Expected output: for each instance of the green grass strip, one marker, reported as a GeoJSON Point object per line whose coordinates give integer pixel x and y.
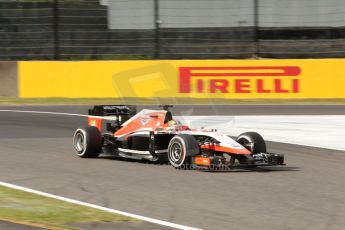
{"type": "Point", "coordinates": [31, 209]}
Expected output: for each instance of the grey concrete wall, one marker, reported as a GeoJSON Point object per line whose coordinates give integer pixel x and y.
{"type": "Point", "coordinates": [139, 14]}
{"type": "Point", "coordinates": [131, 14]}
{"type": "Point", "coordinates": [8, 79]}
{"type": "Point", "coordinates": [206, 13]}
{"type": "Point", "coordinates": [302, 13]}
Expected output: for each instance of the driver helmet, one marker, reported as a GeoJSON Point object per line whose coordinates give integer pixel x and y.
{"type": "Point", "coordinates": [172, 123]}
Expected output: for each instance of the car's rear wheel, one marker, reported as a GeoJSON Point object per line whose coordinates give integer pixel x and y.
{"type": "Point", "coordinates": [181, 149]}
{"type": "Point", "coordinates": [87, 142]}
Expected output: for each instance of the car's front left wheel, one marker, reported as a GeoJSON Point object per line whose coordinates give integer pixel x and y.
{"type": "Point", "coordinates": [87, 142]}
{"type": "Point", "coordinates": [181, 149]}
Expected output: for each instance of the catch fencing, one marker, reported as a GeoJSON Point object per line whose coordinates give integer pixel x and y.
{"type": "Point", "coordinates": [170, 29]}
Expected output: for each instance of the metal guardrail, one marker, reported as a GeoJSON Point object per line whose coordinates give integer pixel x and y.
{"type": "Point", "coordinates": [167, 29]}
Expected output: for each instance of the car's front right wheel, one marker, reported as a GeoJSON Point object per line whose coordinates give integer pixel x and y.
{"type": "Point", "coordinates": [253, 141]}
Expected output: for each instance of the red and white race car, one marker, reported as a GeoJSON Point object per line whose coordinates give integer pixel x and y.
{"type": "Point", "coordinates": [154, 135]}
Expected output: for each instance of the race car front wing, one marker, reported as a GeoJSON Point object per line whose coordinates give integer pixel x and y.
{"type": "Point", "coordinates": [243, 161]}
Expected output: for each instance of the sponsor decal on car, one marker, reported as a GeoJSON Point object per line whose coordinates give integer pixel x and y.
{"type": "Point", "coordinates": [144, 120]}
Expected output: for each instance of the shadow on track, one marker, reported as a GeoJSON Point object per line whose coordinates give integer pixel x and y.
{"type": "Point", "coordinates": [259, 169]}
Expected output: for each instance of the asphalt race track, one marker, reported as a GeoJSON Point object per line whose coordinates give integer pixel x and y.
{"type": "Point", "coordinates": [36, 152]}
{"type": "Point", "coordinates": [11, 226]}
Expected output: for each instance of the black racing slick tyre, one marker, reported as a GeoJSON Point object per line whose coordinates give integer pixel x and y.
{"type": "Point", "coordinates": [181, 149]}
{"type": "Point", "coordinates": [253, 142]}
{"type": "Point", "coordinates": [87, 142]}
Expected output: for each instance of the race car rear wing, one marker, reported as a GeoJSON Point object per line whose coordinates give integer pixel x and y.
{"type": "Point", "coordinates": [113, 110]}
{"type": "Point", "coordinates": [114, 115]}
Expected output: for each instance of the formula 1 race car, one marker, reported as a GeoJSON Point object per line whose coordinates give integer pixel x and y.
{"type": "Point", "coordinates": [154, 135]}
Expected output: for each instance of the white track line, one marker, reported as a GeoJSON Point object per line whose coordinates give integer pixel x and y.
{"type": "Point", "coordinates": [43, 112]}
{"type": "Point", "coordinates": [147, 219]}
{"type": "Point", "coordinates": [144, 218]}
